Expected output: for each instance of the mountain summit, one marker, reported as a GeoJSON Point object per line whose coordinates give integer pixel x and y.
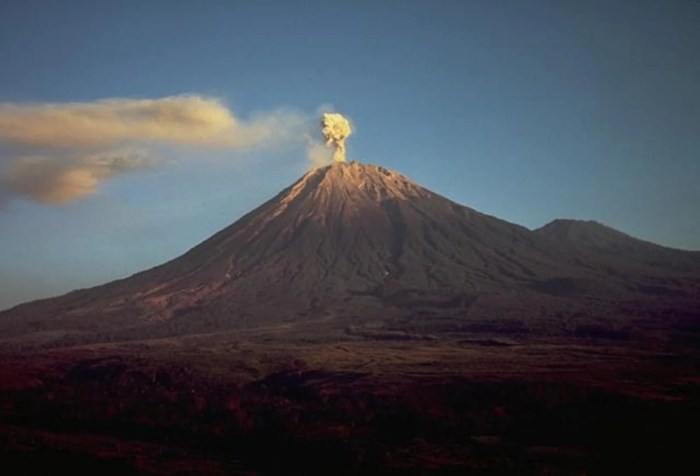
{"type": "Point", "coordinates": [355, 241]}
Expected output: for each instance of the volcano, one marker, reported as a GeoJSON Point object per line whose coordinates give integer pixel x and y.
{"type": "Point", "coordinates": [354, 243]}
{"type": "Point", "coordinates": [358, 323]}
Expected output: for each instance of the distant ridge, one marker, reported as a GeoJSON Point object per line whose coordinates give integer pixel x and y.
{"type": "Point", "coordinates": [596, 237]}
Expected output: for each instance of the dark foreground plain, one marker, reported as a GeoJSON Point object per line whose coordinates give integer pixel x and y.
{"type": "Point", "coordinates": [358, 323]}
{"type": "Point", "coordinates": [309, 399]}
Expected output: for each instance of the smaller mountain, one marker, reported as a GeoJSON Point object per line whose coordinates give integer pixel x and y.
{"type": "Point", "coordinates": [592, 237]}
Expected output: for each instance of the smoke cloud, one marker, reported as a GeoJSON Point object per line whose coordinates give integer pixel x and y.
{"type": "Point", "coordinates": [52, 180]}
{"type": "Point", "coordinates": [64, 151]}
{"type": "Point", "coordinates": [180, 120]}
{"type": "Point", "coordinates": [335, 129]}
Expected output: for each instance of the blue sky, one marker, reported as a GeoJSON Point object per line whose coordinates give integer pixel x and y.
{"type": "Point", "coordinates": [527, 110]}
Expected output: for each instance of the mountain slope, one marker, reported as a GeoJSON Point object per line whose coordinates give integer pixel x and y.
{"type": "Point", "coordinates": [347, 240]}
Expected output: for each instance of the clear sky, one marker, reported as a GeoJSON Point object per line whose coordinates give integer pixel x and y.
{"type": "Point", "coordinates": [527, 110]}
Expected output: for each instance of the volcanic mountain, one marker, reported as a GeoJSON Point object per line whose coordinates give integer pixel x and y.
{"type": "Point", "coordinates": [354, 242]}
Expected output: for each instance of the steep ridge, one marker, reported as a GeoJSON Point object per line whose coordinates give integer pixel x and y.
{"type": "Point", "coordinates": [354, 240]}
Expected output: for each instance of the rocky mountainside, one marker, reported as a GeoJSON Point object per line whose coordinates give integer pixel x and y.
{"type": "Point", "coordinates": [359, 241]}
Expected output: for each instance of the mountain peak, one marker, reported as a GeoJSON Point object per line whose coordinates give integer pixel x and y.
{"type": "Point", "coordinates": [594, 236]}
{"type": "Point", "coordinates": [580, 230]}
{"type": "Point", "coordinates": [353, 182]}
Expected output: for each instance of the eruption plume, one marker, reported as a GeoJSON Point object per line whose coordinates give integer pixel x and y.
{"type": "Point", "coordinates": [335, 129]}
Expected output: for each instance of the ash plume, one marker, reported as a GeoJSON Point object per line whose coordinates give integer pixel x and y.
{"type": "Point", "coordinates": [58, 180]}
{"type": "Point", "coordinates": [55, 153]}
{"type": "Point", "coordinates": [335, 129]}
{"type": "Point", "coordinates": [186, 120]}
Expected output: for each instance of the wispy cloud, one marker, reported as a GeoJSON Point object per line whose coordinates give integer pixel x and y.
{"type": "Point", "coordinates": [318, 154]}
{"type": "Point", "coordinates": [71, 148]}
{"type": "Point", "coordinates": [182, 120]}
{"type": "Point", "coordinates": [56, 180]}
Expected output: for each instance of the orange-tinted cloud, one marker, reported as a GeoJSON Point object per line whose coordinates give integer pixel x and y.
{"type": "Point", "coordinates": [52, 180]}
{"type": "Point", "coordinates": [179, 120]}
{"type": "Point", "coordinates": [67, 149]}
